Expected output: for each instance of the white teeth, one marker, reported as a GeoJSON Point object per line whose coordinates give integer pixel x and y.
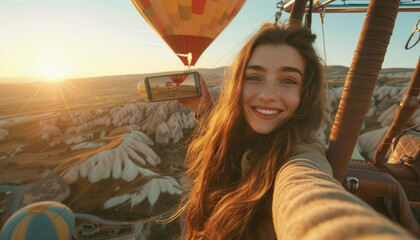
{"type": "Point", "coordinates": [268, 112]}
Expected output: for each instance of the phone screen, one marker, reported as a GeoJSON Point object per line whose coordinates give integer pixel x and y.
{"type": "Point", "coordinates": [174, 86]}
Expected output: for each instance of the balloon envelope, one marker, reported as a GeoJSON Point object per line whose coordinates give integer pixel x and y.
{"type": "Point", "coordinates": [43, 220]}
{"type": "Point", "coordinates": [188, 26]}
{"type": "Point", "coordinates": [179, 79]}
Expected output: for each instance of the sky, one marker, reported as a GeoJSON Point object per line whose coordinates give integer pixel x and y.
{"type": "Point", "coordinates": [86, 38]}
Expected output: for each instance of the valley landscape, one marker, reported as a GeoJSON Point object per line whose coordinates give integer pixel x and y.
{"type": "Point", "coordinates": [97, 146]}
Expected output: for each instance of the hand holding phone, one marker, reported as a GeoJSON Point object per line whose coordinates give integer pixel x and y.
{"type": "Point", "coordinates": [199, 104]}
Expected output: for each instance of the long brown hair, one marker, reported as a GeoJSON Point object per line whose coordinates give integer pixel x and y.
{"type": "Point", "coordinates": [221, 204]}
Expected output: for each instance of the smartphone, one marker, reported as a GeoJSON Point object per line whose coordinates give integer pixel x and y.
{"type": "Point", "coordinates": [170, 87]}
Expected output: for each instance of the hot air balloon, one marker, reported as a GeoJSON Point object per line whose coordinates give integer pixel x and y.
{"type": "Point", "coordinates": [169, 84]}
{"type": "Point", "coordinates": [188, 26]}
{"type": "Point", "coordinates": [42, 220]}
{"type": "Point", "coordinates": [179, 79]}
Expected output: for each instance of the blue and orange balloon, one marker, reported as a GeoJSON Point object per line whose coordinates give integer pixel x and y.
{"type": "Point", "coordinates": [42, 220]}
{"type": "Point", "coordinates": [169, 84]}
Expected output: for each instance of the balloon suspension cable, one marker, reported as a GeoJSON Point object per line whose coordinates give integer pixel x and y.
{"type": "Point", "coordinates": [416, 29]}
{"type": "Point", "coordinates": [189, 68]}
{"type": "Point", "coordinates": [279, 5]}
{"type": "Point", "coordinates": [321, 17]}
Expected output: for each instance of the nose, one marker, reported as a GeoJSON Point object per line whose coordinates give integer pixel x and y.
{"type": "Point", "coordinates": [268, 92]}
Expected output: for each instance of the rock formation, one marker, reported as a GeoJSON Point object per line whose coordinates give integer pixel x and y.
{"type": "Point", "coordinates": [50, 187]}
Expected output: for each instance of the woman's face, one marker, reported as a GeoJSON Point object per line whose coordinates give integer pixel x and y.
{"type": "Point", "coordinates": [272, 86]}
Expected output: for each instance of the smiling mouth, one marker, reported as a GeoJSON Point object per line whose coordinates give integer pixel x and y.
{"type": "Point", "coordinates": [266, 111]}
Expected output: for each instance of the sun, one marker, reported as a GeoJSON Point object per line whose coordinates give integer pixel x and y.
{"type": "Point", "coordinates": [50, 65]}
{"type": "Point", "coordinates": [51, 71]}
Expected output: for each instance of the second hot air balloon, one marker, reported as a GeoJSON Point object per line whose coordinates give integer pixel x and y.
{"type": "Point", "coordinates": [188, 26]}
{"type": "Point", "coordinates": [47, 220]}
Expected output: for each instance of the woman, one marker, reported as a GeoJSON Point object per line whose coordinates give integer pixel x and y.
{"type": "Point", "coordinates": [258, 142]}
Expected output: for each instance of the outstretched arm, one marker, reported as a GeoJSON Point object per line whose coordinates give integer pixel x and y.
{"type": "Point", "coordinates": [308, 203]}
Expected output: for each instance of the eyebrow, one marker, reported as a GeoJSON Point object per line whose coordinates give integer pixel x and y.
{"type": "Point", "coordinates": [283, 69]}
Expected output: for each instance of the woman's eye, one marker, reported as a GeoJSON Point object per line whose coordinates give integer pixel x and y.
{"type": "Point", "coordinates": [289, 81]}
{"type": "Point", "coordinates": [252, 78]}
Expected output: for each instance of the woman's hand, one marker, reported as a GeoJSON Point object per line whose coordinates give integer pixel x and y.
{"type": "Point", "coordinates": [199, 105]}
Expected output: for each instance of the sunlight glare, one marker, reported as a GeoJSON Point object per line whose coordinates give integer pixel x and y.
{"type": "Point", "coordinates": [51, 71]}
{"type": "Point", "coordinates": [50, 65]}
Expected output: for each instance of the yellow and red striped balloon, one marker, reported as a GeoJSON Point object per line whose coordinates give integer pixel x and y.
{"type": "Point", "coordinates": [188, 26]}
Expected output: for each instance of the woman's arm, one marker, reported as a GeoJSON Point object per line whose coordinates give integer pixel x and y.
{"type": "Point", "coordinates": [308, 203]}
